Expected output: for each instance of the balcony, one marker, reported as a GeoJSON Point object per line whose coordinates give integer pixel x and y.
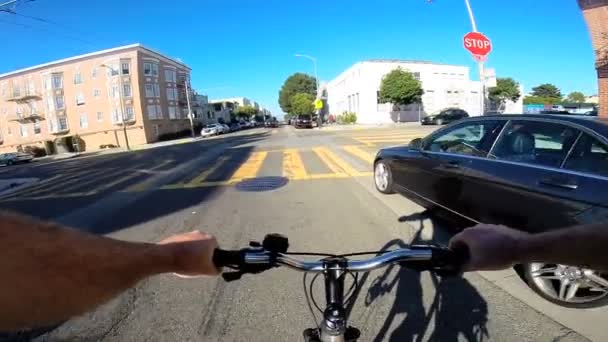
{"type": "Point", "coordinates": [19, 96]}
{"type": "Point", "coordinates": [25, 117]}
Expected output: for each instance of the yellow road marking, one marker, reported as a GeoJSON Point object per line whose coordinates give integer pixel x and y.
{"type": "Point", "coordinates": [293, 167]}
{"type": "Point", "coordinates": [250, 168]}
{"type": "Point", "coordinates": [200, 178]}
{"type": "Point", "coordinates": [335, 163]}
{"type": "Point", "coordinates": [356, 151]}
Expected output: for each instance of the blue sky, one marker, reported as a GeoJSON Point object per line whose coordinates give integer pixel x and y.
{"type": "Point", "coordinates": [247, 47]}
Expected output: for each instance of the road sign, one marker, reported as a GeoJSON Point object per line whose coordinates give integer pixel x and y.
{"type": "Point", "coordinates": [478, 44]}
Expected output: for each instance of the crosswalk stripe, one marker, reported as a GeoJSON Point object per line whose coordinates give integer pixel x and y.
{"type": "Point", "coordinates": [135, 187]}
{"type": "Point", "coordinates": [250, 168]}
{"type": "Point", "coordinates": [293, 167]}
{"type": "Point", "coordinates": [335, 163]}
{"type": "Point", "coordinates": [361, 154]}
{"type": "Point", "coordinates": [92, 179]}
{"type": "Point", "coordinates": [59, 185]}
{"type": "Point", "coordinates": [200, 178]}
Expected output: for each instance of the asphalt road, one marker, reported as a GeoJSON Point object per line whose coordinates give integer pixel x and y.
{"type": "Point", "coordinates": [314, 187]}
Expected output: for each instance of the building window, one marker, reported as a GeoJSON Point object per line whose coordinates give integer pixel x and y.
{"type": "Point", "coordinates": [46, 83]}
{"type": "Point", "coordinates": [37, 127]}
{"type": "Point", "coordinates": [156, 90]}
{"type": "Point", "coordinates": [170, 75]}
{"type": "Point", "coordinates": [96, 92]}
{"type": "Point", "coordinates": [113, 70]}
{"type": "Point", "coordinates": [126, 90]}
{"type": "Point", "coordinates": [79, 99]}
{"type": "Point", "coordinates": [50, 104]}
{"type": "Point", "coordinates": [416, 75]}
{"type": "Point", "coordinates": [62, 122]}
{"type": "Point", "coordinates": [77, 78]}
{"type": "Point", "coordinates": [99, 116]}
{"type": "Point", "coordinates": [172, 113]}
{"type": "Point", "coordinates": [57, 81]}
{"type": "Point", "coordinates": [94, 73]}
{"type": "Point", "coordinates": [171, 94]}
{"type": "Point", "coordinates": [154, 112]}
{"type": "Point", "coordinates": [114, 92]}
{"type": "Point", "coordinates": [84, 120]}
{"type": "Point", "coordinates": [129, 114]}
{"type": "Point", "coordinates": [116, 115]}
{"type": "Point", "coordinates": [124, 67]}
{"type": "Point", "coordinates": [59, 104]}
{"type": "Point", "coordinates": [149, 90]}
{"type": "Point", "coordinates": [23, 130]}
{"type": "Point", "coordinates": [155, 129]}
{"type": "Point", "coordinates": [150, 69]}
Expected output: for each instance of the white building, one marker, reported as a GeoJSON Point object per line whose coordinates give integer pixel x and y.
{"type": "Point", "coordinates": [357, 89]}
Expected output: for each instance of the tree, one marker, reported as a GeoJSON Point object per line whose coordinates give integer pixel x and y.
{"type": "Point", "coordinates": [246, 111]}
{"type": "Point", "coordinates": [576, 97]}
{"type": "Point", "coordinates": [507, 89]}
{"type": "Point", "coordinates": [302, 103]}
{"type": "Point", "coordinates": [399, 87]}
{"type": "Point", "coordinates": [296, 83]}
{"type": "Point", "coordinates": [541, 100]}
{"type": "Point", "coordinates": [547, 90]}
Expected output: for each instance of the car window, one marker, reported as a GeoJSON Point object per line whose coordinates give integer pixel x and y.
{"type": "Point", "coordinates": [535, 142]}
{"type": "Point", "coordinates": [470, 138]}
{"type": "Point", "coordinates": [589, 156]}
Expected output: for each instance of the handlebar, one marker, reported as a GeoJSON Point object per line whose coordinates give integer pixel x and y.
{"type": "Point", "coordinates": [273, 253]}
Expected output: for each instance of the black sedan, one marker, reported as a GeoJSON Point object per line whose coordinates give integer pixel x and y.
{"type": "Point", "coordinates": [304, 120]}
{"type": "Point", "coordinates": [446, 116]}
{"type": "Point", "coordinates": [533, 172]}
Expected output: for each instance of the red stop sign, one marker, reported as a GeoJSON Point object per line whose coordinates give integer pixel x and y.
{"type": "Point", "coordinates": [477, 44]}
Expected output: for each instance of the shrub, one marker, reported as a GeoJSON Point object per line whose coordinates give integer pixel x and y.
{"type": "Point", "coordinates": [175, 135]}
{"type": "Point", "coordinates": [347, 118]}
{"type": "Point", "coordinates": [107, 146]}
{"type": "Point", "coordinates": [35, 151]}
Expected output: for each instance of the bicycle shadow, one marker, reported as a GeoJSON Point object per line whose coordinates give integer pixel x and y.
{"type": "Point", "coordinates": [457, 309]}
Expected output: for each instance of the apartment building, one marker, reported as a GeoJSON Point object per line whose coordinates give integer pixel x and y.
{"type": "Point", "coordinates": [86, 100]}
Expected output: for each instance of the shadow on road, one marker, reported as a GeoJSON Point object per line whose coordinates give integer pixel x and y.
{"type": "Point", "coordinates": [457, 310]}
{"type": "Point", "coordinates": [75, 184]}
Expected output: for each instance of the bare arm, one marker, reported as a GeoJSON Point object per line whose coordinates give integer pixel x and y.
{"type": "Point", "coordinates": [498, 247]}
{"type": "Point", "coordinates": [51, 273]}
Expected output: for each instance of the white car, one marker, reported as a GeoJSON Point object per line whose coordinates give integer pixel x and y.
{"type": "Point", "coordinates": [211, 130]}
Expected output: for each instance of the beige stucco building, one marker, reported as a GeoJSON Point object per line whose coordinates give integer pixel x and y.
{"type": "Point", "coordinates": [87, 98]}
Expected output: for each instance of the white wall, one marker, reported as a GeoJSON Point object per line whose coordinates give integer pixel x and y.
{"type": "Point", "coordinates": [444, 85]}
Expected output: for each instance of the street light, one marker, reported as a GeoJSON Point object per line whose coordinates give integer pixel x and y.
{"type": "Point", "coordinates": [314, 62]}
{"type": "Point", "coordinates": [122, 105]}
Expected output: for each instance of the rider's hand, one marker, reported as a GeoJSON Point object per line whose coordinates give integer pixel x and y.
{"type": "Point", "coordinates": [490, 247]}
{"type": "Point", "coordinates": [193, 253]}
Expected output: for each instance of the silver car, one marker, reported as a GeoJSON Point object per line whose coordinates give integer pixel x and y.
{"type": "Point", "coordinates": [15, 158]}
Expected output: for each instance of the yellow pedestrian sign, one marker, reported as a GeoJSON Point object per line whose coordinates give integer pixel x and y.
{"type": "Point", "coordinates": [318, 104]}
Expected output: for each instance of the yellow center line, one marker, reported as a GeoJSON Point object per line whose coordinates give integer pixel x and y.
{"type": "Point", "coordinates": [250, 168]}
{"type": "Point", "coordinates": [335, 163]}
{"type": "Point", "coordinates": [356, 151]}
{"type": "Point", "coordinates": [293, 167]}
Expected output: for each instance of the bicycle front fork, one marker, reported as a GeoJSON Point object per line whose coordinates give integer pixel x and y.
{"type": "Point", "coordinates": [313, 335]}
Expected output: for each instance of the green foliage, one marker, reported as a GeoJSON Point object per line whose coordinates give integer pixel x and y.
{"type": "Point", "coordinates": [401, 88]}
{"type": "Point", "coordinates": [576, 97]}
{"type": "Point", "coordinates": [302, 103]}
{"type": "Point", "coordinates": [35, 151]}
{"type": "Point", "coordinates": [547, 90]}
{"type": "Point", "coordinates": [295, 84]}
{"type": "Point", "coordinates": [246, 112]}
{"type": "Point", "coordinates": [347, 118]}
{"type": "Point", "coordinates": [507, 89]}
{"type": "Point", "coordinates": [541, 100]}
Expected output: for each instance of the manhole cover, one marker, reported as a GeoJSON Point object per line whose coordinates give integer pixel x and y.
{"type": "Point", "coordinates": [262, 184]}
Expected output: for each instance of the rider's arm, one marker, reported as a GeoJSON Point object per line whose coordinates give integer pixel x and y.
{"type": "Point", "coordinates": [498, 247]}
{"type": "Point", "coordinates": [51, 273]}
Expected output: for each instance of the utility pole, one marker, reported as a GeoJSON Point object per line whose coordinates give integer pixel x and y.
{"type": "Point", "coordinates": [480, 64]}
{"type": "Point", "coordinates": [186, 80]}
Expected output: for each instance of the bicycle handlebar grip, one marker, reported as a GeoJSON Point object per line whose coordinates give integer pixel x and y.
{"type": "Point", "coordinates": [222, 258]}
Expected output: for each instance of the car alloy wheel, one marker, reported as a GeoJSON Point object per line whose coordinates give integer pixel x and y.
{"type": "Point", "coordinates": [568, 286]}
{"type": "Point", "coordinates": [439, 122]}
{"type": "Point", "coordinates": [383, 178]}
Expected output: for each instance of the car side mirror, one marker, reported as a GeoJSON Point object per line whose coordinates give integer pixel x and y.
{"type": "Point", "coordinates": [416, 144]}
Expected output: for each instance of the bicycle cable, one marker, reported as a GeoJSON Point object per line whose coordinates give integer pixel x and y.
{"type": "Point", "coordinates": [312, 312]}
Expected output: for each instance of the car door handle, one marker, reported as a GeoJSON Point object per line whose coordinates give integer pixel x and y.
{"type": "Point", "coordinates": [452, 165]}
{"type": "Point", "coordinates": [559, 183]}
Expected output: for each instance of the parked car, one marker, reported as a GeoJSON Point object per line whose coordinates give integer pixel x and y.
{"type": "Point", "coordinates": [234, 127]}
{"type": "Point", "coordinates": [445, 116]}
{"type": "Point", "coordinates": [533, 172]}
{"type": "Point", "coordinates": [211, 130]}
{"type": "Point", "coordinates": [225, 128]}
{"type": "Point", "coordinates": [303, 120]}
{"type": "Point", "coordinates": [15, 158]}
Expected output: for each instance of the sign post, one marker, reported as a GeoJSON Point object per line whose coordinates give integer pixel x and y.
{"type": "Point", "coordinates": [479, 46]}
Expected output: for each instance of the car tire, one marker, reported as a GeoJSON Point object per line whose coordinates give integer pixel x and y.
{"type": "Point", "coordinates": [540, 286]}
{"type": "Point", "coordinates": [10, 162]}
{"type": "Point", "coordinates": [383, 177]}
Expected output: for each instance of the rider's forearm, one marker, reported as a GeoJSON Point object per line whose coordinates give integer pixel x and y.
{"type": "Point", "coordinates": [51, 273]}
{"type": "Point", "coordinates": [578, 246]}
